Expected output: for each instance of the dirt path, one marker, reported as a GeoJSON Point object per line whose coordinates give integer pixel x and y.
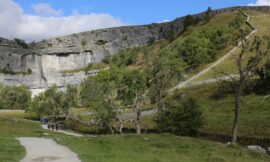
{"type": "Point", "coordinates": [42, 149]}
{"type": "Point", "coordinates": [65, 132]}
{"type": "Point", "coordinates": [184, 83]}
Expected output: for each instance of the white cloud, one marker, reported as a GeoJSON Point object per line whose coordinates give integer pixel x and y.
{"type": "Point", "coordinates": [261, 3]}
{"type": "Point", "coordinates": [164, 21]}
{"type": "Point", "coordinates": [16, 24]}
{"type": "Point", "coordinates": [44, 9]}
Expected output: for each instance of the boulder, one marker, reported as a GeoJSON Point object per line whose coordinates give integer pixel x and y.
{"type": "Point", "coordinates": [256, 148]}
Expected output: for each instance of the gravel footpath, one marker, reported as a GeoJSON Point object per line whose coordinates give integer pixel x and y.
{"type": "Point", "coordinates": [42, 149]}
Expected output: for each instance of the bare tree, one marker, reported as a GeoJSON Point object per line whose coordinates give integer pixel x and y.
{"type": "Point", "coordinates": [246, 66]}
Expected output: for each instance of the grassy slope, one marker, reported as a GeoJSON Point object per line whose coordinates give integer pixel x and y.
{"type": "Point", "coordinates": [261, 20]}
{"type": "Point", "coordinates": [255, 112]}
{"type": "Point", "coordinates": [254, 115]}
{"type": "Point", "coordinates": [220, 20]}
{"type": "Point", "coordinates": [122, 148]}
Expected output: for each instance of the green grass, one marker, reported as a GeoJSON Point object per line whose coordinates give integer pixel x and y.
{"type": "Point", "coordinates": [254, 115]}
{"type": "Point", "coordinates": [156, 148]}
{"type": "Point", "coordinates": [122, 148]}
{"type": "Point", "coordinates": [261, 20]}
{"type": "Point", "coordinates": [85, 68]}
{"type": "Point", "coordinates": [10, 150]}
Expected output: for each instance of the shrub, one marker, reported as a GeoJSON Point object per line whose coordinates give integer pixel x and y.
{"type": "Point", "coordinates": [107, 58]}
{"type": "Point", "coordinates": [14, 97]}
{"type": "Point", "coordinates": [170, 34]}
{"type": "Point", "coordinates": [181, 116]}
{"type": "Point", "coordinates": [21, 42]}
{"type": "Point", "coordinates": [83, 42]}
{"type": "Point", "coordinates": [29, 71]}
{"type": "Point", "coordinates": [264, 74]}
{"type": "Point", "coordinates": [125, 57]}
{"type": "Point", "coordinates": [237, 22]}
{"type": "Point", "coordinates": [101, 42]}
{"type": "Point", "coordinates": [190, 20]}
{"type": "Point", "coordinates": [151, 40]}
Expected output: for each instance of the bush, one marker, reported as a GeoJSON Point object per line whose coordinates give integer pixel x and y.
{"type": "Point", "coordinates": [29, 71]}
{"type": "Point", "coordinates": [264, 74]}
{"type": "Point", "coordinates": [107, 58]}
{"type": "Point", "coordinates": [170, 34]}
{"type": "Point", "coordinates": [196, 50]}
{"type": "Point", "coordinates": [83, 42]}
{"type": "Point", "coordinates": [101, 42]}
{"type": "Point", "coordinates": [203, 47]}
{"type": "Point", "coordinates": [152, 40]}
{"type": "Point", "coordinates": [181, 116]}
{"type": "Point", "coordinates": [237, 22]}
{"type": "Point", "coordinates": [21, 42]}
{"type": "Point", "coordinates": [125, 57]}
{"type": "Point", "coordinates": [190, 20]}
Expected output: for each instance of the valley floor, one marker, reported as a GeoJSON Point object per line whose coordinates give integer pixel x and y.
{"type": "Point", "coordinates": [118, 148]}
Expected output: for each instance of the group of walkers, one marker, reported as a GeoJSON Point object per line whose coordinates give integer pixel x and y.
{"type": "Point", "coordinates": [51, 122]}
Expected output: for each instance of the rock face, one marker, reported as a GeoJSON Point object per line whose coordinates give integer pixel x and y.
{"type": "Point", "coordinates": [39, 65]}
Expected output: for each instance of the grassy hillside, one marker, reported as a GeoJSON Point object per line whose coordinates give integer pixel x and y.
{"type": "Point", "coordinates": [121, 148]}
{"type": "Point", "coordinates": [142, 56]}
{"type": "Point", "coordinates": [261, 20]}
{"type": "Point", "coordinates": [217, 106]}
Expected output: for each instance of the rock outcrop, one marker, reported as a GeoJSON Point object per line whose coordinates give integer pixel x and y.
{"type": "Point", "coordinates": [40, 65]}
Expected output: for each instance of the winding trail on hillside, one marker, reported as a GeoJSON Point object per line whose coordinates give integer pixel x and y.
{"type": "Point", "coordinates": [186, 82]}
{"type": "Point", "coordinates": [42, 149]}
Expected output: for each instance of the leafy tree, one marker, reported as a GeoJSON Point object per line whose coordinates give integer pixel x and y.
{"type": "Point", "coordinates": [203, 47]}
{"type": "Point", "coordinates": [106, 115]}
{"type": "Point", "coordinates": [181, 116]}
{"type": "Point", "coordinates": [50, 103]}
{"type": "Point", "coordinates": [134, 83]}
{"type": "Point", "coordinates": [208, 14]}
{"type": "Point", "coordinates": [169, 34]}
{"type": "Point", "coordinates": [196, 50]}
{"type": "Point", "coordinates": [91, 92]}
{"type": "Point", "coordinates": [163, 74]}
{"type": "Point", "coordinates": [72, 96]}
{"type": "Point", "coordinates": [14, 97]}
{"type": "Point", "coordinates": [100, 94]}
{"type": "Point", "coordinates": [246, 67]}
{"type": "Point", "coordinates": [190, 20]}
{"type": "Point", "coordinates": [237, 22]}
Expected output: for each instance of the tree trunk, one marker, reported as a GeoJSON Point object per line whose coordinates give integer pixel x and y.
{"type": "Point", "coordinates": [236, 117]}
{"type": "Point", "coordinates": [138, 113]}
{"type": "Point", "coordinates": [111, 129]}
{"type": "Point", "coordinates": [159, 101]}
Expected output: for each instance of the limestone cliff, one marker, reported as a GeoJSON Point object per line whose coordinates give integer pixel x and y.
{"type": "Point", "coordinates": [39, 65]}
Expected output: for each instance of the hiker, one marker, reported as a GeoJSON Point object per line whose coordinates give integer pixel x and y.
{"type": "Point", "coordinates": [46, 120]}
{"type": "Point", "coordinates": [48, 125]}
{"type": "Point", "coordinates": [56, 126]}
{"type": "Point", "coordinates": [52, 126]}
{"type": "Point", "coordinates": [42, 121]}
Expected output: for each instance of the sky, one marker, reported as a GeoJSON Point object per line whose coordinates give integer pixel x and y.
{"type": "Point", "coordinates": [41, 19]}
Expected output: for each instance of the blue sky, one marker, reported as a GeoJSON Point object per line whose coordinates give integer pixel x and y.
{"type": "Point", "coordinates": [134, 11]}
{"type": "Point", "coordinates": [41, 19]}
